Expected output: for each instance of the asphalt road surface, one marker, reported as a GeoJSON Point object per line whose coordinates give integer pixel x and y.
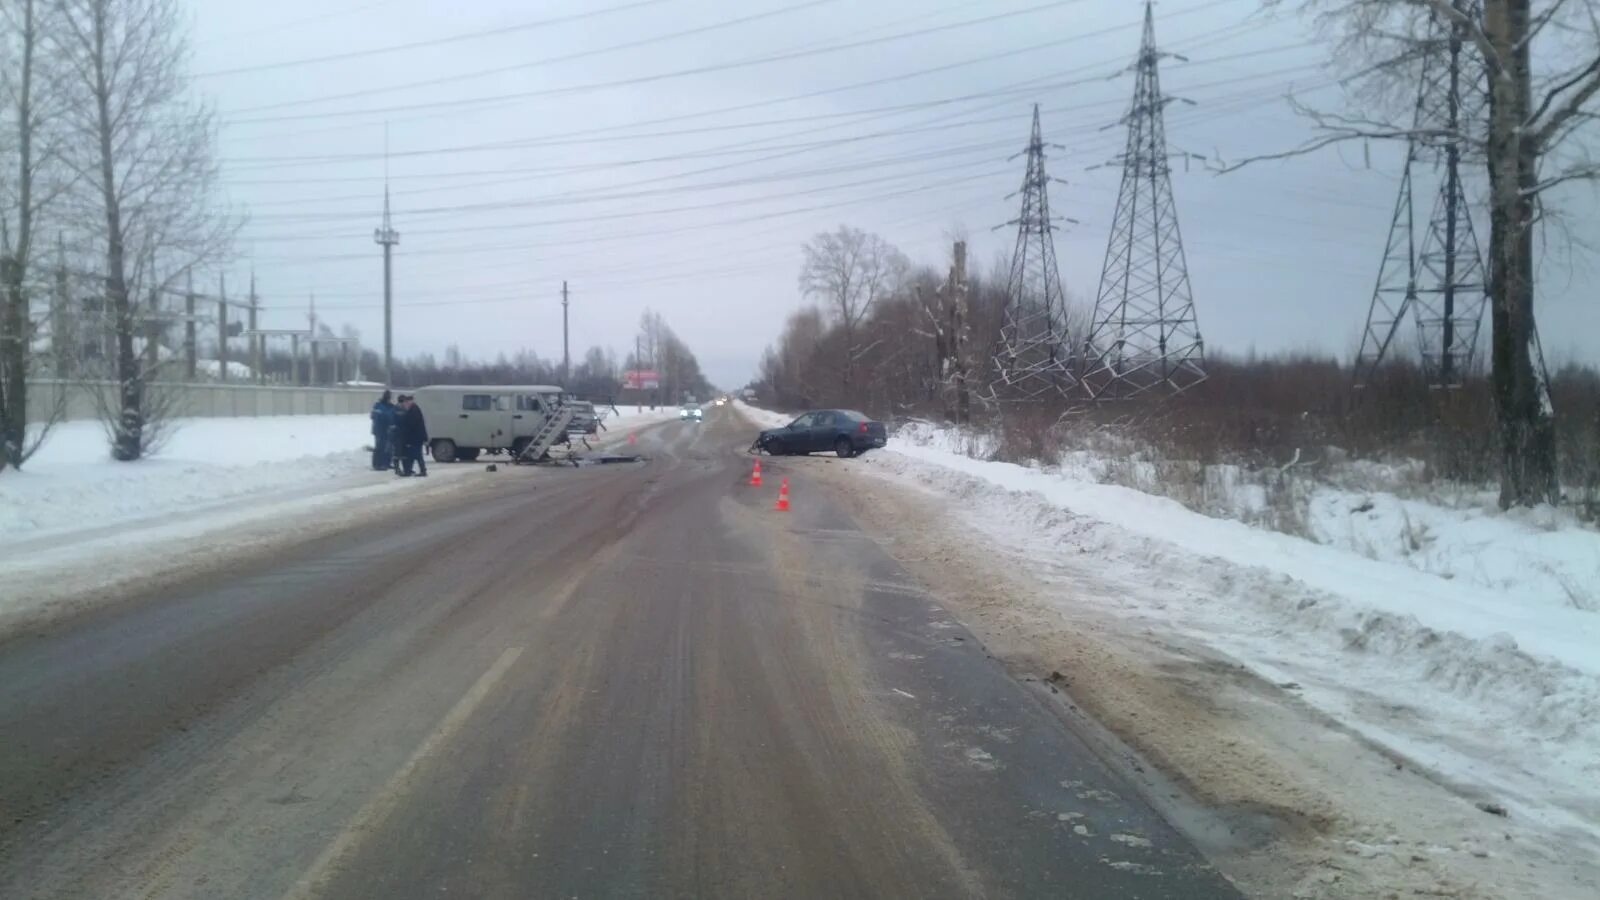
{"type": "Point", "coordinates": [617, 681]}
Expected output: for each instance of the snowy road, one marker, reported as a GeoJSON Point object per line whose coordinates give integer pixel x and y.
{"type": "Point", "coordinates": [632, 680]}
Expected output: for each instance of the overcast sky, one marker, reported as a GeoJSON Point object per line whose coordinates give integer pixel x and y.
{"type": "Point", "coordinates": [674, 154]}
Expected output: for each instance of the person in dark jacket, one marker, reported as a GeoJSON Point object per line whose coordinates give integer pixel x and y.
{"type": "Point", "coordinates": [383, 415]}
{"type": "Point", "coordinates": [413, 437]}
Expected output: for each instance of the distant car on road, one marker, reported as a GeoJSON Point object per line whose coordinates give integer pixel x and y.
{"type": "Point", "coordinates": [690, 413]}
{"type": "Point", "coordinates": [844, 431]}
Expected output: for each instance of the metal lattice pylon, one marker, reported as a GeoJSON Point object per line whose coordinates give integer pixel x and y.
{"type": "Point", "coordinates": [1442, 283]}
{"type": "Point", "coordinates": [1034, 359]}
{"type": "Point", "coordinates": [1144, 336]}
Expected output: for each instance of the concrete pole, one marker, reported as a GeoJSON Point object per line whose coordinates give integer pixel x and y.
{"type": "Point", "coordinates": [312, 374]}
{"type": "Point", "coordinates": [294, 359]}
{"type": "Point", "coordinates": [257, 342]}
{"type": "Point", "coordinates": [152, 334]}
{"type": "Point", "coordinates": [64, 335]}
{"type": "Point", "coordinates": [566, 350]}
{"type": "Point", "coordinates": [190, 353]}
{"type": "Point", "coordinates": [959, 287]}
{"type": "Point", "coordinates": [222, 328]}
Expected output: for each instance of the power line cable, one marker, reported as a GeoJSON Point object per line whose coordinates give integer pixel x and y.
{"type": "Point", "coordinates": [434, 42]}
{"type": "Point", "coordinates": [547, 61]}
{"type": "Point", "coordinates": [660, 76]}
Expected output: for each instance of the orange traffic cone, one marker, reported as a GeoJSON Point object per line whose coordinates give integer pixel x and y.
{"type": "Point", "coordinates": [783, 497]}
{"type": "Point", "coordinates": [755, 477]}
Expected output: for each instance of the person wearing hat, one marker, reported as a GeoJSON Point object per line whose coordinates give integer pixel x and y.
{"type": "Point", "coordinates": [413, 436]}
{"type": "Point", "coordinates": [383, 413]}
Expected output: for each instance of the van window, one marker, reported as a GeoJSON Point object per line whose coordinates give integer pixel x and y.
{"type": "Point", "coordinates": [502, 403]}
{"type": "Point", "coordinates": [527, 403]}
{"type": "Point", "coordinates": [478, 402]}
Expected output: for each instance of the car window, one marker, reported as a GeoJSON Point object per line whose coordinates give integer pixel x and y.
{"type": "Point", "coordinates": [476, 402]}
{"type": "Point", "coordinates": [851, 415]}
{"type": "Point", "coordinates": [804, 421]}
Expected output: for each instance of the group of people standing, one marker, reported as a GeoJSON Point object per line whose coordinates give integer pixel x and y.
{"type": "Point", "coordinates": [398, 435]}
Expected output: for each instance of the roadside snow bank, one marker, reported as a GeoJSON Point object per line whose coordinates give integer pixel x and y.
{"type": "Point", "coordinates": [72, 483]}
{"type": "Point", "coordinates": [1475, 670]}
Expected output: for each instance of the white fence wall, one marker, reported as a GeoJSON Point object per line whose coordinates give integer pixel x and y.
{"type": "Point", "coordinates": [207, 400]}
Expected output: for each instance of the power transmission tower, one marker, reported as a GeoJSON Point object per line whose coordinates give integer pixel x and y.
{"type": "Point", "coordinates": [1442, 283]}
{"type": "Point", "coordinates": [1144, 336]}
{"type": "Point", "coordinates": [1034, 359]}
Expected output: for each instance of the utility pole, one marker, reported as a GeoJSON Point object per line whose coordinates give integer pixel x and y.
{"type": "Point", "coordinates": [311, 375]}
{"type": "Point", "coordinates": [388, 238]}
{"type": "Point", "coordinates": [64, 336]}
{"type": "Point", "coordinates": [189, 353]}
{"type": "Point", "coordinates": [152, 333]}
{"type": "Point", "coordinates": [566, 351]}
{"type": "Point", "coordinates": [958, 288]}
{"type": "Point", "coordinates": [638, 366]}
{"type": "Point", "coordinates": [257, 342]}
{"type": "Point", "coordinates": [222, 327]}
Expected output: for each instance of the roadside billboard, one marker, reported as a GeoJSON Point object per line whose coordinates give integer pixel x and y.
{"type": "Point", "coordinates": [641, 380]}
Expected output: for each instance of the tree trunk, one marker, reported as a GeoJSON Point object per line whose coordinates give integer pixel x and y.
{"type": "Point", "coordinates": [1527, 430]}
{"type": "Point", "coordinates": [16, 327]}
{"type": "Point", "coordinates": [15, 339]}
{"type": "Point", "coordinates": [127, 442]}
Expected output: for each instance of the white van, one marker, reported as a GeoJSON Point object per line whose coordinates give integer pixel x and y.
{"type": "Point", "coordinates": [465, 420]}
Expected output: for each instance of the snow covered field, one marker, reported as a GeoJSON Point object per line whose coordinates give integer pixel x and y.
{"type": "Point", "coordinates": [1464, 640]}
{"type": "Point", "coordinates": [1471, 659]}
{"type": "Point", "coordinates": [73, 484]}
{"type": "Point", "coordinates": [73, 518]}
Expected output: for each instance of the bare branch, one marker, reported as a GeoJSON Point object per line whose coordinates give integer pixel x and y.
{"type": "Point", "coordinates": [1589, 172]}
{"type": "Point", "coordinates": [1587, 82]}
{"type": "Point", "coordinates": [1447, 11]}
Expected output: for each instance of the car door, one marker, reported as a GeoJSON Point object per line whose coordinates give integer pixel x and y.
{"type": "Point", "coordinates": [797, 436]}
{"type": "Point", "coordinates": [475, 420]}
{"type": "Point", "coordinates": [527, 417]}
{"type": "Point", "coordinates": [824, 428]}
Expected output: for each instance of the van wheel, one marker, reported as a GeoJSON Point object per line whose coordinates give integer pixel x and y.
{"type": "Point", "coordinates": [844, 448]}
{"type": "Point", "coordinates": [519, 445]}
{"type": "Point", "coordinates": [444, 450]}
{"type": "Point", "coordinates": [467, 454]}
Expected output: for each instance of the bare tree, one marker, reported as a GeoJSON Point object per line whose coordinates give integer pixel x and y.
{"type": "Point", "coordinates": [142, 150]}
{"type": "Point", "coordinates": [849, 271]}
{"type": "Point", "coordinates": [31, 96]}
{"type": "Point", "coordinates": [1533, 111]}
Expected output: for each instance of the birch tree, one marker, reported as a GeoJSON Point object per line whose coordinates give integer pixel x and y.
{"type": "Point", "coordinates": [1540, 65]}
{"type": "Point", "coordinates": [849, 271]}
{"type": "Point", "coordinates": [142, 150]}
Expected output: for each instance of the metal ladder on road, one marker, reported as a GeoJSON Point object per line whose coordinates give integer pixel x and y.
{"type": "Point", "coordinates": [554, 428]}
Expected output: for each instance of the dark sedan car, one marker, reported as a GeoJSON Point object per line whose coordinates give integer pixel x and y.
{"type": "Point", "coordinates": [844, 431]}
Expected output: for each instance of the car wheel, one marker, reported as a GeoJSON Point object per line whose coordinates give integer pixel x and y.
{"type": "Point", "coordinates": [444, 450]}
{"type": "Point", "coordinates": [844, 448]}
{"type": "Point", "coordinates": [466, 454]}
